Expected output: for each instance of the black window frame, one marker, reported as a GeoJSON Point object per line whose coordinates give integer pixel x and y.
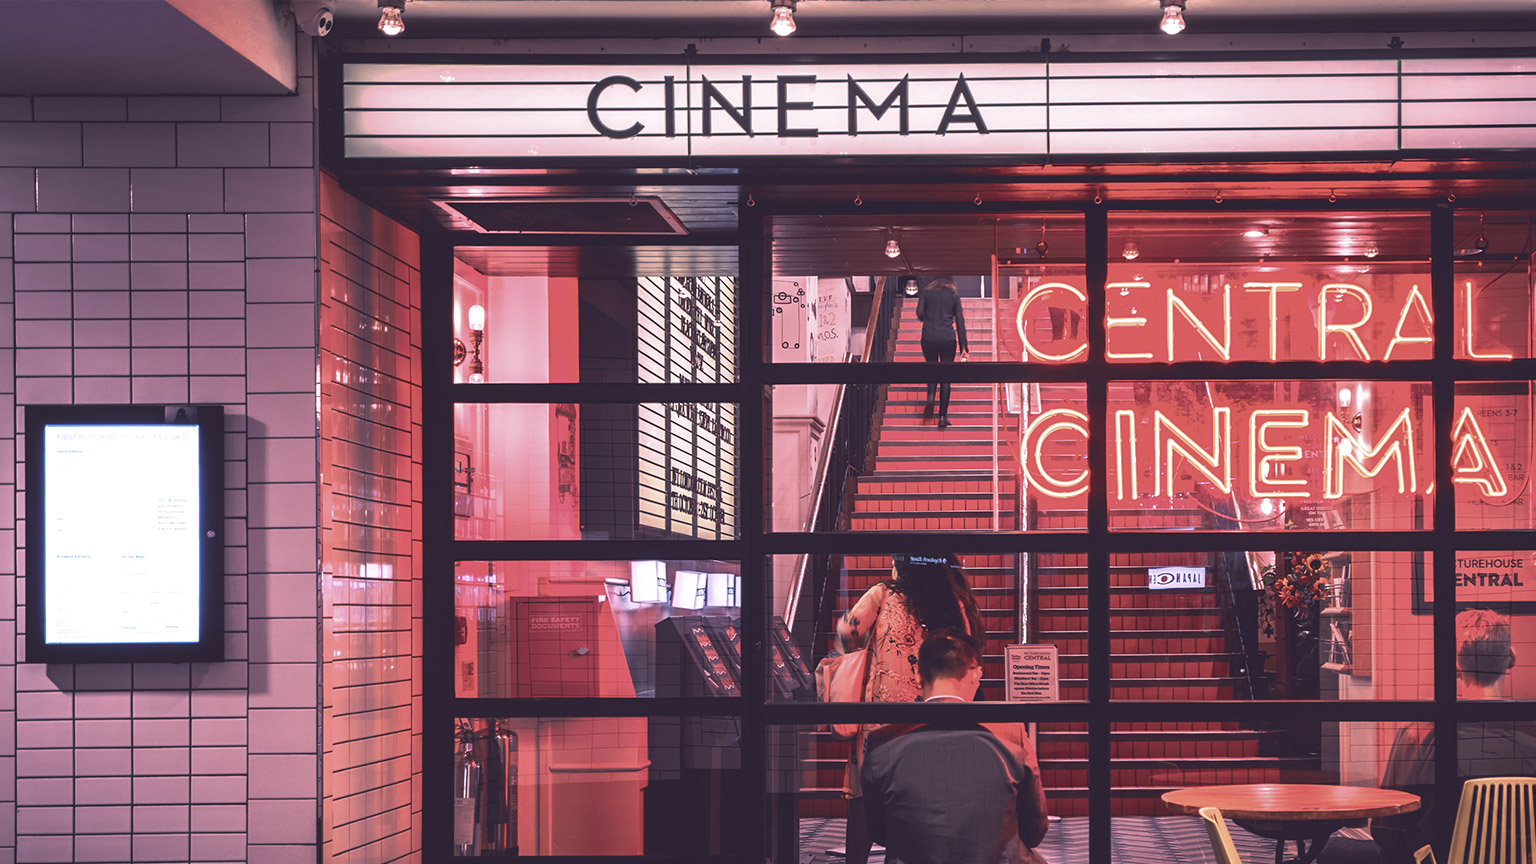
{"type": "Point", "coordinates": [755, 544]}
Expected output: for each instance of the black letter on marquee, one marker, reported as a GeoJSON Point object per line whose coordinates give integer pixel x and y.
{"type": "Point", "coordinates": [597, 91]}
{"type": "Point", "coordinates": [671, 91]}
{"type": "Point", "coordinates": [855, 92]}
{"type": "Point", "coordinates": [742, 117]}
{"type": "Point", "coordinates": [785, 106]}
{"type": "Point", "coordinates": [962, 89]}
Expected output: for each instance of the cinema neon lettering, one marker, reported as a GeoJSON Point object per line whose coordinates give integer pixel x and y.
{"type": "Point", "coordinates": [1266, 458]}
{"type": "Point", "coordinates": [1390, 458]}
{"type": "Point", "coordinates": [1342, 317]}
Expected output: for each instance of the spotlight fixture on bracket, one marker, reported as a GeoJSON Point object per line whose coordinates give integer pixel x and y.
{"type": "Point", "coordinates": [1173, 17]}
{"type": "Point", "coordinates": [892, 248]}
{"type": "Point", "coordinates": [1131, 251]}
{"type": "Point", "coordinates": [783, 21]}
{"type": "Point", "coordinates": [391, 17]}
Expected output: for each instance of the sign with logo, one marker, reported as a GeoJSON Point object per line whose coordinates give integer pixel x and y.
{"type": "Point", "coordinates": [1164, 578]}
{"type": "Point", "coordinates": [1011, 109]}
{"type": "Point", "coordinates": [1492, 579]}
{"type": "Point", "coordinates": [1032, 673]}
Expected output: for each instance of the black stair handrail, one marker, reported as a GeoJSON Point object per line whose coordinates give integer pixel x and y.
{"type": "Point", "coordinates": [850, 441]}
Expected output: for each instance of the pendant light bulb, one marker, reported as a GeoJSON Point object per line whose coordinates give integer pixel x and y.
{"type": "Point", "coordinates": [892, 248]}
{"type": "Point", "coordinates": [391, 21]}
{"type": "Point", "coordinates": [1131, 252]}
{"type": "Point", "coordinates": [783, 22]}
{"type": "Point", "coordinates": [1371, 251]}
{"type": "Point", "coordinates": [1173, 17]}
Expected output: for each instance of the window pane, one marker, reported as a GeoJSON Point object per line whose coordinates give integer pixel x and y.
{"type": "Point", "coordinates": [570, 629]}
{"type": "Point", "coordinates": [1268, 286]}
{"type": "Point", "coordinates": [1200, 626]}
{"type": "Point", "coordinates": [1494, 290]}
{"type": "Point", "coordinates": [1491, 455]}
{"type": "Point", "coordinates": [602, 314]}
{"type": "Point", "coordinates": [1495, 631]}
{"type": "Point", "coordinates": [849, 289]}
{"type": "Point", "coordinates": [1270, 455]}
{"type": "Point", "coordinates": [818, 594]}
{"type": "Point", "coordinates": [1197, 758]}
{"type": "Point", "coordinates": [595, 471]}
{"type": "Point", "coordinates": [808, 770]}
{"type": "Point", "coordinates": [872, 457]}
{"type": "Point", "coordinates": [662, 786]}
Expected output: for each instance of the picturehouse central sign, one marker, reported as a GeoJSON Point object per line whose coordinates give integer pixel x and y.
{"type": "Point", "coordinates": [699, 110]}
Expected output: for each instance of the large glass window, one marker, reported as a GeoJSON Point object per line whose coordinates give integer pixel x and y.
{"type": "Point", "coordinates": [1227, 490]}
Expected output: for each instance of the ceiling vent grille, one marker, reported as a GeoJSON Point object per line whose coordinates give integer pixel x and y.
{"type": "Point", "coordinates": [638, 215]}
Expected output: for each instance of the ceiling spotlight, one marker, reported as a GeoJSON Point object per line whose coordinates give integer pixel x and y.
{"type": "Point", "coordinates": [892, 248]}
{"type": "Point", "coordinates": [1173, 17]}
{"type": "Point", "coordinates": [391, 22]}
{"type": "Point", "coordinates": [1130, 252]}
{"type": "Point", "coordinates": [783, 22]}
{"type": "Point", "coordinates": [1255, 233]}
{"type": "Point", "coordinates": [1371, 251]}
{"type": "Point", "coordinates": [1482, 238]}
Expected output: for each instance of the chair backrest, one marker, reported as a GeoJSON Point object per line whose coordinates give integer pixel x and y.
{"type": "Point", "coordinates": [1496, 822]}
{"type": "Point", "coordinates": [1221, 841]}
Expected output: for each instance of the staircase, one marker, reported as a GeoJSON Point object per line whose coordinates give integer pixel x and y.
{"type": "Point", "coordinates": [1165, 645]}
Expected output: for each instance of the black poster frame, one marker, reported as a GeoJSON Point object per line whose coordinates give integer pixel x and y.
{"type": "Point", "coordinates": [209, 647]}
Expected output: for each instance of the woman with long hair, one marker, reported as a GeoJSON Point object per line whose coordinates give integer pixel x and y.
{"type": "Point", "coordinates": [938, 307]}
{"type": "Point", "coordinates": [925, 594]}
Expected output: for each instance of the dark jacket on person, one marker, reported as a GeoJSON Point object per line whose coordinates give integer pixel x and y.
{"type": "Point", "coordinates": [1491, 749]}
{"type": "Point", "coordinates": [939, 310]}
{"type": "Point", "coordinates": [954, 793]}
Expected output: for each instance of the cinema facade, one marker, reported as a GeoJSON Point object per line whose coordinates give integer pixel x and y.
{"type": "Point", "coordinates": [620, 406]}
{"type": "Point", "coordinates": [1227, 314]}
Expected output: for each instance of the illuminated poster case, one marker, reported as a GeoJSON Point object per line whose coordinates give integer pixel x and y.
{"type": "Point", "coordinates": [125, 550]}
{"type": "Point", "coordinates": [687, 451]}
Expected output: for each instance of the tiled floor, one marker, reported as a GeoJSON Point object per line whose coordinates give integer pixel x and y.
{"type": "Point", "coordinates": [1133, 840]}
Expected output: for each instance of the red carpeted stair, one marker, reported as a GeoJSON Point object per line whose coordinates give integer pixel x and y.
{"type": "Point", "coordinates": [1166, 645]}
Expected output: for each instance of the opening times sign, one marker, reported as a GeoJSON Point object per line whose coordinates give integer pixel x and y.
{"type": "Point", "coordinates": [687, 450]}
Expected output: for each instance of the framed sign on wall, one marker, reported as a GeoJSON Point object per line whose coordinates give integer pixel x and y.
{"type": "Point", "coordinates": [125, 546]}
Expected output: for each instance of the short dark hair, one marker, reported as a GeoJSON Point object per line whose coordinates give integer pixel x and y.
{"type": "Point", "coordinates": [948, 653]}
{"type": "Point", "coordinates": [1483, 653]}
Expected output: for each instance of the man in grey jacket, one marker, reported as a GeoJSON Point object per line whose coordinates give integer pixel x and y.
{"type": "Point", "coordinates": [954, 793]}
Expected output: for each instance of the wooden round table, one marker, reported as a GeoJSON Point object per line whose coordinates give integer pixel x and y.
{"type": "Point", "coordinates": [1293, 811]}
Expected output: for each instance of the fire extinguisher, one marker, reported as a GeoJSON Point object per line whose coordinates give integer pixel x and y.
{"type": "Point", "coordinates": [499, 803]}
{"type": "Point", "coordinates": [466, 794]}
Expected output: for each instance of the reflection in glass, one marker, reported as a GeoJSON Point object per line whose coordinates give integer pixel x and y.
{"type": "Point", "coordinates": [571, 629]}
{"type": "Point", "coordinates": [665, 786]}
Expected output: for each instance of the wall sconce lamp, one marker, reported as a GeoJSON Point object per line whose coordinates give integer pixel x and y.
{"type": "Point", "coordinates": [1173, 17]}
{"type": "Point", "coordinates": [391, 19]}
{"type": "Point", "coordinates": [476, 338]}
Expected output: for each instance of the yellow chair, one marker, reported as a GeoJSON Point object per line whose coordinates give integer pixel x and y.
{"type": "Point", "coordinates": [1495, 823]}
{"type": "Point", "coordinates": [1221, 841]}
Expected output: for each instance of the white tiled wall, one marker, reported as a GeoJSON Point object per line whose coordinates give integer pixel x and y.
{"type": "Point", "coordinates": [370, 406]}
{"type": "Point", "coordinates": [163, 249]}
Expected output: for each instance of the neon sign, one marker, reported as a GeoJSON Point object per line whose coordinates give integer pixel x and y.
{"type": "Point", "coordinates": [1275, 467]}
{"type": "Point", "coordinates": [1330, 321]}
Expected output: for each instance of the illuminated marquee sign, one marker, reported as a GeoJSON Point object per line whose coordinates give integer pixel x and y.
{"type": "Point", "coordinates": [1008, 109]}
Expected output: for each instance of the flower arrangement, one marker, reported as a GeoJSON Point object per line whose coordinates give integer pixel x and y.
{"type": "Point", "coordinates": [1298, 584]}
